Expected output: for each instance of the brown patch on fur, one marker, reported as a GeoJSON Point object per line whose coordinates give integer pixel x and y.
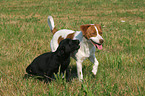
{"type": "Point", "coordinates": [54, 30]}
{"type": "Point", "coordinates": [70, 36]}
{"type": "Point", "coordinates": [91, 32]}
{"type": "Point", "coordinates": [84, 28]}
{"type": "Point", "coordinates": [60, 39]}
{"type": "Point", "coordinates": [88, 31]}
{"type": "Point", "coordinates": [99, 28]}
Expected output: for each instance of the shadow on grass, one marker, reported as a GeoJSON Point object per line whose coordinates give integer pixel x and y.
{"type": "Point", "coordinates": [71, 73]}
{"type": "Point", "coordinates": [40, 78]}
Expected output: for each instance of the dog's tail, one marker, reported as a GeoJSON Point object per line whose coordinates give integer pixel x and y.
{"type": "Point", "coordinates": [51, 24]}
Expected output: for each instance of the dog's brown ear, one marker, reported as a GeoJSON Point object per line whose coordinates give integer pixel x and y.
{"type": "Point", "coordinates": [84, 28]}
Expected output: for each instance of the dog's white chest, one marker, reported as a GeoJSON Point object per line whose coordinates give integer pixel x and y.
{"type": "Point", "coordinates": [86, 49]}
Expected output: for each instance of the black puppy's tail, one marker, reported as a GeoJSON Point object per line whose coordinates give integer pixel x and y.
{"type": "Point", "coordinates": [29, 70]}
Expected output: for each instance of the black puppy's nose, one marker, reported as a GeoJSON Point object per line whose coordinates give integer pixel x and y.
{"type": "Point", "coordinates": [77, 41]}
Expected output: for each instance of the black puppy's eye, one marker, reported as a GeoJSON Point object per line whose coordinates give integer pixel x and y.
{"type": "Point", "coordinates": [70, 42]}
{"type": "Point", "coordinates": [63, 47]}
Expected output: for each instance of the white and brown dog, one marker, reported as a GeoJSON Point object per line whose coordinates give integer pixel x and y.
{"type": "Point", "coordinates": [90, 37]}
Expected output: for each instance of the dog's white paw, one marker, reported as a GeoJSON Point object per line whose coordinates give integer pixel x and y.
{"type": "Point", "coordinates": [94, 71]}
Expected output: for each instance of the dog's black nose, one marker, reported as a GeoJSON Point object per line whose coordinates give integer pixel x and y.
{"type": "Point", "coordinates": [101, 41]}
{"type": "Point", "coordinates": [77, 41]}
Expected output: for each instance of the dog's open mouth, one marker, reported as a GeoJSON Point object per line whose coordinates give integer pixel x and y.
{"type": "Point", "coordinates": [99, 46]}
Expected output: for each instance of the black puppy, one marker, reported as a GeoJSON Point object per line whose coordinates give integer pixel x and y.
{"type": "Point", "coordinates": [48, 63]}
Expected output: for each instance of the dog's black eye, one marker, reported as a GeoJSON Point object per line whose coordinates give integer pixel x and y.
{"type": "Point", "coordinates": [93, 33]}
{"type": "Point", "coordinates": [70, 42]}
{"type": "Point", "coordinates": [63, 47]}
{"type": "Point", "coordinates": [101, 33]}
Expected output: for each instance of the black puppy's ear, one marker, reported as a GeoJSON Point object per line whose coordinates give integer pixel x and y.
{"type": "Point", "coordinates": [61, 51]}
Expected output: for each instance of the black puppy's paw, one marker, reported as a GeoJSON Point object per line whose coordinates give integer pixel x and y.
{"type": "Point", "coordinates": [27, 76]}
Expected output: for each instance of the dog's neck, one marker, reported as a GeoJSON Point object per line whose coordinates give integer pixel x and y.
{"type": "Point", "coordinates": [87, 42]}
{"type": "Point", "coordinates": [62, 56]}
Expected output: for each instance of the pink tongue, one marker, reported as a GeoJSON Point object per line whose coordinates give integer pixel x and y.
{"type": "Point", "coordinates": [99, 46]}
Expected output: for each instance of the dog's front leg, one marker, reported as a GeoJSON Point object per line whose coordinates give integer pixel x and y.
{"type": "Point", "coordinates": [79, 69]}
{"type": "Point", "coordinates": [95, 62]}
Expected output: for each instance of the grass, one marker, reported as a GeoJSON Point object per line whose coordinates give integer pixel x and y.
{"type": "Point", "coordinates": [24, 34]}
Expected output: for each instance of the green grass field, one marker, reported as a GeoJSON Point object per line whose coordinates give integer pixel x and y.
{"type": "Point", "coordinates": [24, 34]}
